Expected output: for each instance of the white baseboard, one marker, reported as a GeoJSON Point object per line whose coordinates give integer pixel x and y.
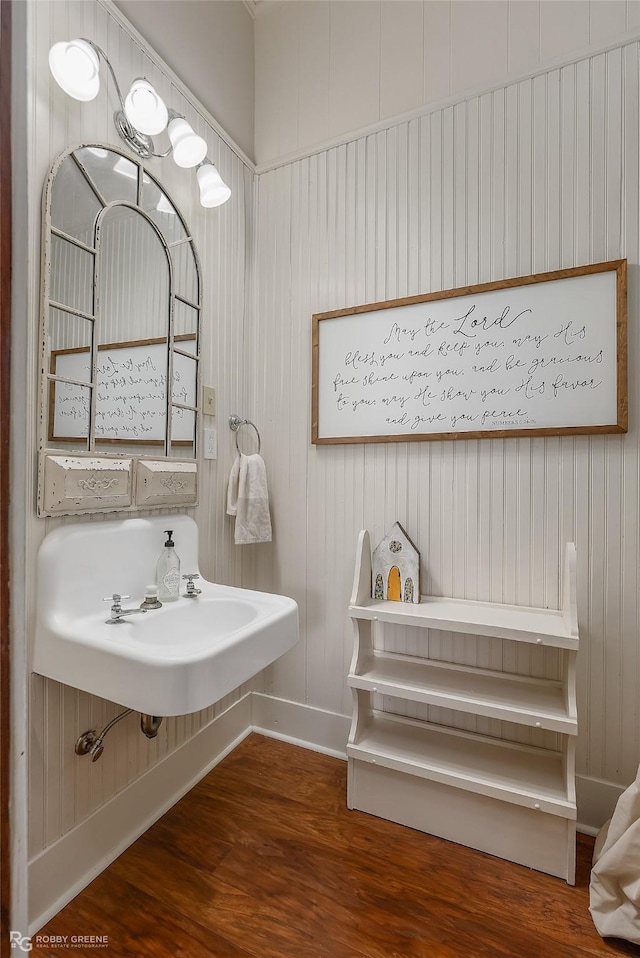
{"type": "Point", "coordinates": [63, 869]}
{"type": "Point", "coordinates": [299, 724]}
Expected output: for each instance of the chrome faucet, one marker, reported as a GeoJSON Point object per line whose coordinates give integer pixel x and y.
{"type": "Point", "coordinates": [192, 592]}
{"type": "Point", "coordinates": [117, 612]}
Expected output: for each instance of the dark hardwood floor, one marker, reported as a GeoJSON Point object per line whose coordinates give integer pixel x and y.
{"type": "Point", "coordinates": [262, 859]}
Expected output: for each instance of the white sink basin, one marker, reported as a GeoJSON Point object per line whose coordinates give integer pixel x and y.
{"type": "Point", "coordinates": [170, 661]}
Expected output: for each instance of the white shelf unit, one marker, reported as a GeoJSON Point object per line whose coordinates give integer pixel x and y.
{"type": "Point", "coordinates": [499, 796]}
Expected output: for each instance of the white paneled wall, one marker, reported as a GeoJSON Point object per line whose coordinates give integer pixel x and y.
{"type": "Point", "coordinates": [64, 789]}
{"type": "Point", "coordinates": [325, 69]}
{"type": "Point", "coordinates": [532, 176]}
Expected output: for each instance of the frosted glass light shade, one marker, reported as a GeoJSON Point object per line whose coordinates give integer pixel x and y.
{"type": "Point", "coordinates": [75, 66]}
{"type": "Point", "coordinates": [189, 149]}
{"type": "Point", "coordinates": [145, 110]}
{"type": "Point", "coordinates": [213, 190]}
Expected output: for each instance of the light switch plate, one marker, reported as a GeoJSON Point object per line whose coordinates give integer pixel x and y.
{"type": "Point", "coordinates": [209, 400]}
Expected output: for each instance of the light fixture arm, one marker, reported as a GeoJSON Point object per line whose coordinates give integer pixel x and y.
{"type": "Point", "coordinates": [104, 56]}
{"type": "Point", "coordinates": [140, 143]}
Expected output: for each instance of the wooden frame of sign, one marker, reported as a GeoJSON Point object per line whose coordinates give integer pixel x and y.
{"type": "Point", "coordinates": [534, 355]}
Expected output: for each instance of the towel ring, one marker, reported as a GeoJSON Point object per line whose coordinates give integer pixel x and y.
{"type": "Point", "coordinates": [234, 424]}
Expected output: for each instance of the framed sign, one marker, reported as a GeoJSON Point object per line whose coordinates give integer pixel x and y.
{"type": "Point", "coordinates": [131, 393]}
{"type": "Point", "coordinates": [535, 355]}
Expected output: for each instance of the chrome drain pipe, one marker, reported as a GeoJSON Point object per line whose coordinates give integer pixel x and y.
{"type": "Point", "coordinates": [149, 725]}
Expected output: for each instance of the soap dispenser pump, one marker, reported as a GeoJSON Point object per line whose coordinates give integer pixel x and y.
{"type": "Point", "coordinates": [168, 571]}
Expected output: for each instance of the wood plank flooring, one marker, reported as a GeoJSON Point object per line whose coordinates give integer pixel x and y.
{"type": "Point", "coordinates": [262, 859]}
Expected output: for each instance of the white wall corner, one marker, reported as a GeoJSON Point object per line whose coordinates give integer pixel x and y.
{"type": "Point", "coordinates": [299, 724]}
{"type": "Point", "coordinates": [596, 801]}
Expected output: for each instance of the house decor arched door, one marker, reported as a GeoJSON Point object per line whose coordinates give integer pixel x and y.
{"type": "Point", "coordinates": [394, 584]}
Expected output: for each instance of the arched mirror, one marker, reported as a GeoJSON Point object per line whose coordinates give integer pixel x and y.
{"type": "Point", "coordinates": [121, 303]}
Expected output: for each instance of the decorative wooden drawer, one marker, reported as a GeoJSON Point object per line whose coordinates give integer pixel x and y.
{"type": "Point", "coordinates": [166, 482]}
{"type": "Point", "coordinates": [74, 484]}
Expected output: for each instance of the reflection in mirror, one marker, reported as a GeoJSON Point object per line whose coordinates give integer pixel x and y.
{"type": "Point", "coordinates": [69, 415]}
{"type": "Point", "coordinates": [69, 333]}
{"type": "Point", "coordinates": [131, 395]}
{"type": "Point", "coordinates": [161, 210]}
{"type": "Point", "coordinates": [74, 205]}
{"type": "Point", "coordinates": [183, 397]}
{"type": "Point", "coordinates": [113, 176]}
{"type": "Point", "coordinates": [71, 275]}
{"type": "Point", "coordinates": [183, 424]}
{"type": "Point", "coordinates": [133, 278]}
{"type": "Point", "coordinates": [186, 273]}
{"type": "Point", "coordinates": [184, 379]}
{"type": "Point", "coordinates": [121, 308]}
{"type": "Point", "coordinates": [185, 327]}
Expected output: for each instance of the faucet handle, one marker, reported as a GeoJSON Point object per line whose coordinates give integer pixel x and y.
{"type": "Point", "coordinates": [191, 592]}
{"type": "Point", "coordinates": [115, 598]}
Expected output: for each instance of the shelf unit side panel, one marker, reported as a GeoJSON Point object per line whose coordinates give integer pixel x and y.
{"type": "Point", "coordinates": [569, 589]}
{"type": "Point", "coordinates": [569, 684]}
{"type": "Point", "coordinates": [361, 592]}
{"type": "Point", "coordinates": [362, 643]}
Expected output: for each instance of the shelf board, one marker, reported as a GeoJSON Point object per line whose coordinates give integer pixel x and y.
{"type": "Point", "coordinates": [499, 695]}
{"type": "Point", "coordinates": [520, 623]}
{"type": "Point", "coordinates": [513, 773]}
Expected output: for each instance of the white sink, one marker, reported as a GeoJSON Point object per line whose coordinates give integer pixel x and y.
{"type": "Point", "coordinates": [170, 661]}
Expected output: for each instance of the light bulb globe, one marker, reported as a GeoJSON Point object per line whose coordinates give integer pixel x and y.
{"type": "Point", "coordinates": [145, 109]}
{"type": "Point", "coordinates": [75, 66]}
{"type": "Point", "coordinates": [189, 149]}
{"type": "Point", "coordinates": [213, 190]}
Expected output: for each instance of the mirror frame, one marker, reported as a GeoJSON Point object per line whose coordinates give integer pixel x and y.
{"type": "Point", "coordinates": [90, 480]}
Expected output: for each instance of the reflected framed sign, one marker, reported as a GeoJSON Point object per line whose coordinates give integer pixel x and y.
{"type": "Point", "coordinates": [131, 393]}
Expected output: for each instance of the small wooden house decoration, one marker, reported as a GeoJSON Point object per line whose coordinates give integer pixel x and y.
{"type": "Point", "coordinates": [395, 568]}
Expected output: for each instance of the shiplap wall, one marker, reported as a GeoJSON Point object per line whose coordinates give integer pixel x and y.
{"type": "Point", "coordinates": [326, 68]}
{"type": "Point", "coordinates": [531, 176]}
{"type": "Point", "coordinates": [64, 789]}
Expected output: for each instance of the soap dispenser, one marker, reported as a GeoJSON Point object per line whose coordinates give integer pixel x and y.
{"type": "Point", "coordinates": [168, 571]}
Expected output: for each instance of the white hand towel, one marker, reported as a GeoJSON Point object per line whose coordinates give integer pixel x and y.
{"type": "Point", "coordinates": [248, 500]}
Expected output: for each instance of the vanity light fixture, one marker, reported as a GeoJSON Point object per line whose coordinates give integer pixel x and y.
{"type": "Point", "coordinates": [213, 190]}
{"type": "Point", "coordinates": [143, 114]}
